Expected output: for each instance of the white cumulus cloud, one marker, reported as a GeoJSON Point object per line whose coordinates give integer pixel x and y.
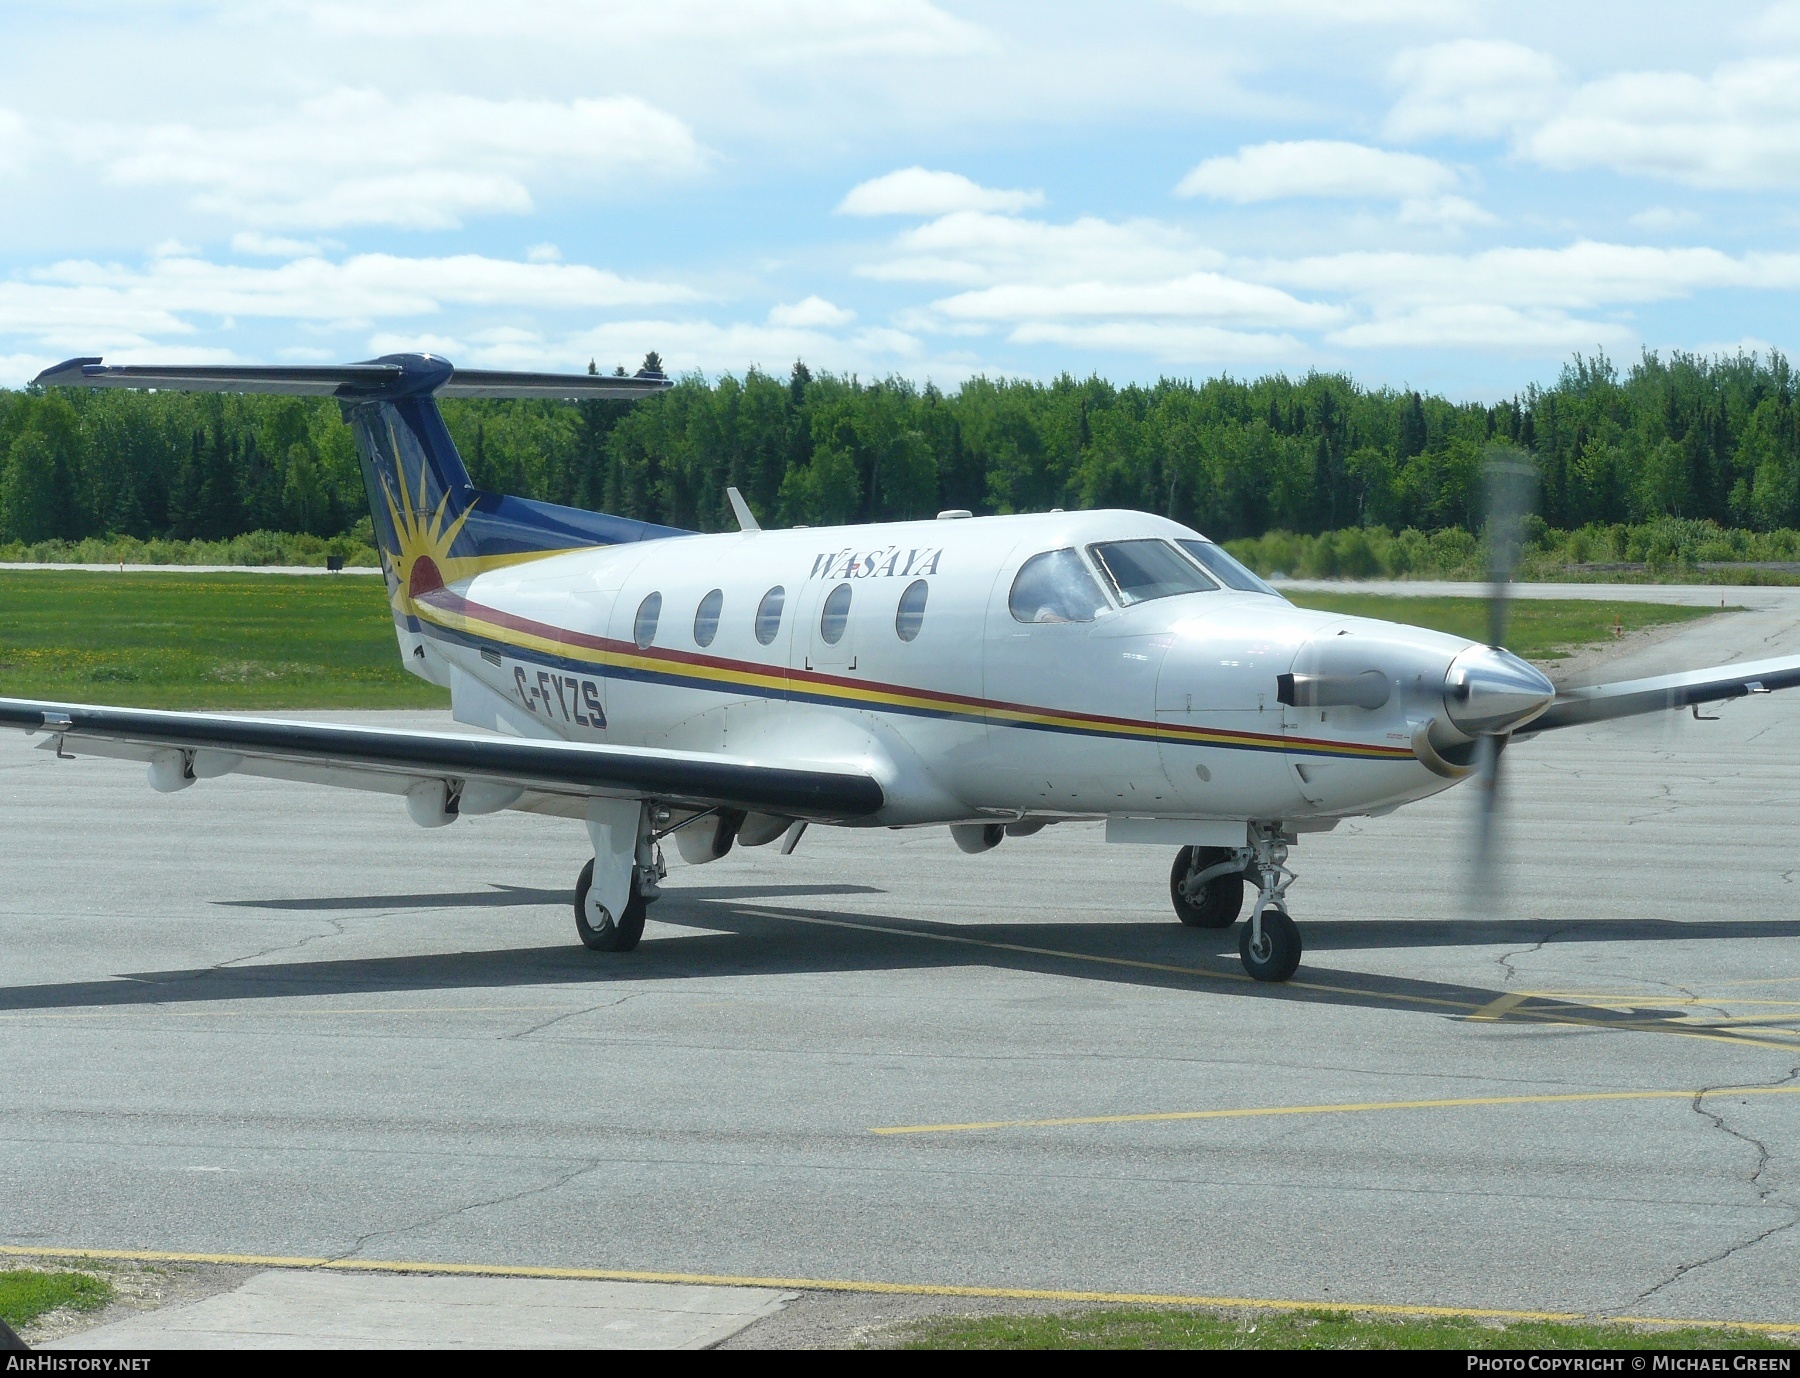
{"type": "Point", "coordinates": [813, 311]}
{"type": "Point", "coordinates": [920, 192]}
{"type": "Point", "coordinates": [1738, 128]}
{"type": "Point", "coordinates": [98, 306]}
{"type": "Point", "coordinates": [359, 157]}
{"type": "Point", "coordinates": [1206, 296]}
{"type": "Point", "coordinates": [1472, 88]}
{"type": "Point", "coordinates": [1317, 167]}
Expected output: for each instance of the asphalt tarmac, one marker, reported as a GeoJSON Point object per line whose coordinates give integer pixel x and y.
{"type": "Point", "coordinates": [257, 1019]}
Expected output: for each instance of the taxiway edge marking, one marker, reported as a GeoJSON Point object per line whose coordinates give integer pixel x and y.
{"type": "Point", "coordinates": [924, 1289]}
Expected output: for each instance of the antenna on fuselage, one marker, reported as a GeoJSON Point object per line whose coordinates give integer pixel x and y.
{"type": "Point", "coordinates": [745, 517]}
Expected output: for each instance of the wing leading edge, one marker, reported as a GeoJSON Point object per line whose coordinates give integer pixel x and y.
{"type": "Point", "coordinates": [395, 760]}
{"type": "Point", "coordinates": [1628, 698]}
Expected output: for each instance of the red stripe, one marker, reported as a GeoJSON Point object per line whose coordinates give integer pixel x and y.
{"type": "Point", "coordinates": [448, 601]}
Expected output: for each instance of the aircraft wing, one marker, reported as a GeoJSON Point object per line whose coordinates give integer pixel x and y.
{"type": "Point", "coordinates": [1628, 698]}
{"type": "Point", "coordinates": [505, 772]}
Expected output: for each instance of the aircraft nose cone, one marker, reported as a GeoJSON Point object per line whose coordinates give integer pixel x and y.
{"type": "Point", "coordinates": [1489, 690]}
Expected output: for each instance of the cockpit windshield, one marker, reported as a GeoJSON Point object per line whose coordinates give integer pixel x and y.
{"type": "Point", "coordinates": [1225, 569]}
{"type": "Point", "coordinates": [1146, 569]}
{"type": "Point", "coordinates": [1055, 587]}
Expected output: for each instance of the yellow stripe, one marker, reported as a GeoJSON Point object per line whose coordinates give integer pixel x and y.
{"type": "Point", "coordinates": [1352, 1107]}
{"type": "Point", "coordinates": [914, 1289]}
{"type": "Point", "coordinates": [1497, 1009]}
{"type": "Point", "coordinates": [778, 679]}
{"type": "Point", "coordinates": [1547, 1016]}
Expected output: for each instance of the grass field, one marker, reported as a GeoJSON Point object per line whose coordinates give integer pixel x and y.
{"type": "Point", "coordinates": [1537, 629]}
{"type": "Point", "coordinates": [26, 1294]}
{"type": "Point", "coordinates": [1182, 1329]}
{"type": "Point", "coordinates": [204, 641]}
{"type": "Point", "coordinates": [297, 641]}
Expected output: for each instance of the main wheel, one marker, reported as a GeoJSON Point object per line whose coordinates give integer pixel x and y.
{"type": "Point", "coordinates": [1218, 902]}
{"type": "Point", "coordinates": [1277, 956]}
{"type": "Point", "coordinates": [599, 929]}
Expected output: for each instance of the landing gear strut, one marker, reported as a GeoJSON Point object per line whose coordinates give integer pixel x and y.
{"type": "Point", "coordinates": [1270, 945]}
{"type": "Point", "coordinates": [616, 887]}
{"type": "Point", "coordinates": [1207, 888]}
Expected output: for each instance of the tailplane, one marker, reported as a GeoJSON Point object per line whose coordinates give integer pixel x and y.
{"type": "Point", "coordinates": [432, 525]}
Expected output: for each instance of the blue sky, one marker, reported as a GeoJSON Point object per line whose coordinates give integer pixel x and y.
{"type": "Point", "coordinates": [1455, 195]}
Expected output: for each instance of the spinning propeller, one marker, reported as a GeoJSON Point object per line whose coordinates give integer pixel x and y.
{"type": "Point", "coordinates": [1510, 481]}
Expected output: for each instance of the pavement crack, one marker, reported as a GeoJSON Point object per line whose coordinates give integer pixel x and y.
{"type": "Point", "coordinates": [336, 930]}
{"type": "Point", "coordinates": [1505, 959]}
{"type": "Point", "coordinates": [1669, 805]}
{"type": "Point", "coordinates": [569, 1014]}
{"type": "Point", "coordinates": [362, 1241]}
{"type": "Point", "coordinates": [1766, 1193]}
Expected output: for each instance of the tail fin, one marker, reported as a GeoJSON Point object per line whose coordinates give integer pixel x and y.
{"type": "Point", "coordinates": [432, 525]}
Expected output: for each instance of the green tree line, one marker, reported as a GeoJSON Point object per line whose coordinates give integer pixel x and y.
{"type": "Point", "coordinates": [1695, 438]}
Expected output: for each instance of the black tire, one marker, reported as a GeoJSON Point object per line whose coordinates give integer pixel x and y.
{"type": "Point", "coordinates": [615, 935]}
{"type": "Point", "coordinates": [1220, 902]}
{"type": "Point", "coordinates": [1280, 954]}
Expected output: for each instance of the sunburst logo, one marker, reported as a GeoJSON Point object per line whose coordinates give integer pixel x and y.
{"type": "Point", "coordinates": [425, 535]}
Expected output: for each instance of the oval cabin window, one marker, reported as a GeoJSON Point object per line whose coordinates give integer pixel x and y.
{"type": "Point", "coordinates": [834, 615]}
{"type": "Point", "coordinates": [706, 617]}
{"type": "Point", "coordinates": [911, 614]}
{"type": "Point", "coordinates": [768, 614]}
{"type": "Point", "coordinates": [643, 631]}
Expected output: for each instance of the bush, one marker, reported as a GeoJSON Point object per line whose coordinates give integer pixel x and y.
{"type": "Point", "coordinates": [1666, 547]}
{"type": "Point", "coordinates": [250, 550]}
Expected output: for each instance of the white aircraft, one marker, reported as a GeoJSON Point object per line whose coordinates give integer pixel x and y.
{"type": "Point", "coordinates": [996, 674]}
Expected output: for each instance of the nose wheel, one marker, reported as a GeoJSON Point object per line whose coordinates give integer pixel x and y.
{"type": "Point", "coordinates": [1270, 946]}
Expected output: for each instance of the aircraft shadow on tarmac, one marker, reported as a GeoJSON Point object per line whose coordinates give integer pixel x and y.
{"type": "Point", "coordinates": [737, 941]}
{"type": "Point", "coordinates": [514, 896]}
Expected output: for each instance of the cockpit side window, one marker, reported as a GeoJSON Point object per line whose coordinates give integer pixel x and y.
{"type": "Point", "coordinates": [1225, 569]}
{"type": "Point", "coordinates": [1055, 587]}
{"type": "Point", "coordinates": [1146, 569]}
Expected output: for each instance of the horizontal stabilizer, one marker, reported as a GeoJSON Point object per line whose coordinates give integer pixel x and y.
{"type": "Point", "coordinates": [410, 374]}
{"type": "Point", "coordinates": [388, 758]}
{"type": "Point", "coordinates": [1628, 698]}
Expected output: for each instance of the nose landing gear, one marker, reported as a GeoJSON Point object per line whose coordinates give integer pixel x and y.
{"type": "Point", "coordinates": [1207, 889]}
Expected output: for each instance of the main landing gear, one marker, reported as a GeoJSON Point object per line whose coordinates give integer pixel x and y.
{"type": "Point", "coordinates": [600, 929]}
{"type": "Point", "coordinates": [617, 886]}
{"type": "Point", "coordinates": [1207, 889]}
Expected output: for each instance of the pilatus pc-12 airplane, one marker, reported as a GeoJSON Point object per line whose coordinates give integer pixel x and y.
{"type": "Point", "coordinates": [999, 675]}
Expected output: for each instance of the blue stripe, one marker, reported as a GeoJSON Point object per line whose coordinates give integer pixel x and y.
{"type": "Point", "coordinates": [675, 680]}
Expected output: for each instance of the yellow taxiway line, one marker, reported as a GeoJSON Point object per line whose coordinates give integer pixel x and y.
{"type": "Point", "coordinates": [1467, 1009]}
{"type": "Point", "coordinates": [1341, 1108]}
{"type": "Point", "coordinates": [916, 1289]}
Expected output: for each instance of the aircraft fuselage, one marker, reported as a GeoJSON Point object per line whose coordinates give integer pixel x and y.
{"type": "Point", "coordinates": [724, 643]}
